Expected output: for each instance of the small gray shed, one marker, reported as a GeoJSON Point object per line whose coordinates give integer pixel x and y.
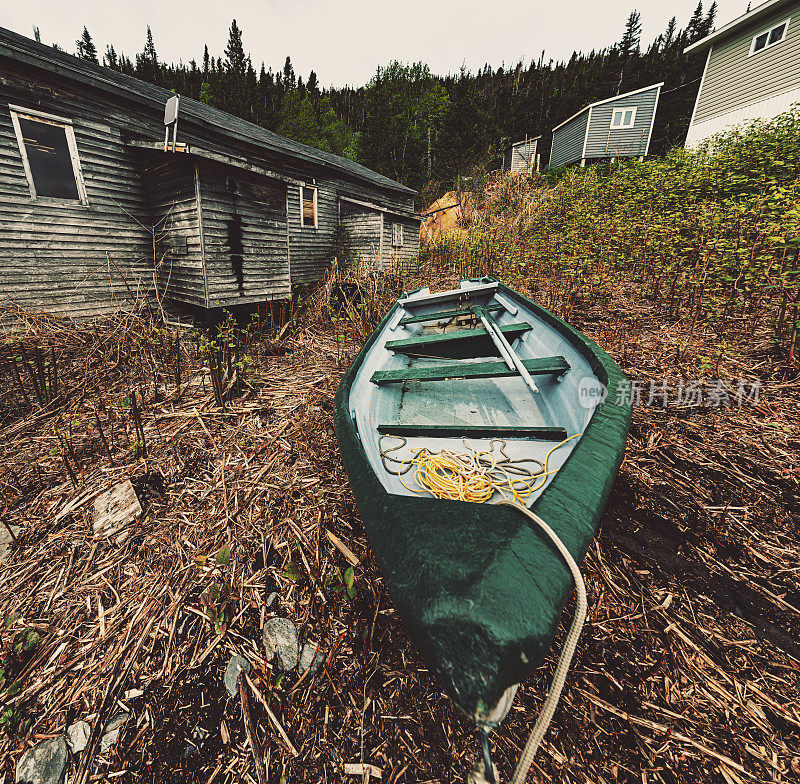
{"type": "Point", "coordinates": [521, 157]}
{"type": "Point", "coordinates": [616, 127]}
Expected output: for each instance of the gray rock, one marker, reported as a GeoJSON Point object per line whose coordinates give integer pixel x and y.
{"type": "Point", "coordinates": [236, 665]}
{"type": "Point", "coordinates": [78, 736]}
{"type": "Point", "coordinates": [280, 643]}
{"type": "Point", "coordinates": [6, 539]}
{"type": "Point", "coordinates": [113, 729]}
{"type": "Point", "coordinates": [307, 658]}
{"type": "Point", "coordinates": [45, 763]}
{"type": "Point", "coordinates": [271, 598]}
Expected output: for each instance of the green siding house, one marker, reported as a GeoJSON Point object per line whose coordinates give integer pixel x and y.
{"type": "Point", "coordinates": [752, 69]}
{"type": "Point", "coordinates": [617, 127]}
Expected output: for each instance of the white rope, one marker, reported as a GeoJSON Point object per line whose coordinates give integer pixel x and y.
{"type": "Point", "coordinates": [562, 668]}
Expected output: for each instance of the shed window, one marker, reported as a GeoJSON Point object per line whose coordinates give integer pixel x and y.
{"type": "Point", "coordinates": [397, 235]}
{"type": "Point", "coordinates": [624, 117]}
{"type": "Point", "coordinates": [308, 207]}
{"type": "Point", "coordinates": [769, 37]}
{"type": "Point", "coordinates": [50, 156]}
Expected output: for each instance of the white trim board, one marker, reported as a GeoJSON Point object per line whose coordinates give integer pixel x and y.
{"type": "Point", "coordinates": [622, 111]}
{"type": "Point", "coordinates": [608, 100]}
{"type": "Point", "coordinates": [766, 32]}
{"type": "Point", "coordinates": [652, 121]}
{"type": "Point", "coordinates": [18, 112]}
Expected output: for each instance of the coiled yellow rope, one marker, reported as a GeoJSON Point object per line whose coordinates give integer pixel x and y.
{"type": "Point", "coordinates": [473, 475]}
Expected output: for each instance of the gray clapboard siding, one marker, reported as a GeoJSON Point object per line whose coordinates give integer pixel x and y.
{"type": "Point", "coordinates": [520, 157]}
{"type": "Point", "coordinates": [66, 257]}
{"type": "Point", "coordinates": [245, 240]}
{"type": "Point", "coordinates": [603, 141]}
{"type": "Point", "coordinates": [194, 216]}
{"type": "Point", "coordinates": [735, 78]}
{"type": "Point", "coordinates": [407, 253]}
{"type": "Point", "coordinates": [589, 135]}
{"type": "Point", "coordinates": [363, 227]}
{"type": "Point", "coordinates": [170, 181]}
{"type": "Point", "coordinates": [568, 141]}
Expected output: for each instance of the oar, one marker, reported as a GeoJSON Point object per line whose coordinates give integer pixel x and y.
{"type": "Point", "coordinates": [508, 354]}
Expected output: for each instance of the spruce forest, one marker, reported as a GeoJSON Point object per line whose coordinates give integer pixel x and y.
{"type": "Point", "coordinates": [424, 129]}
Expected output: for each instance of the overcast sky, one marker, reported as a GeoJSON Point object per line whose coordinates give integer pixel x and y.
{"type": "Point", "coordinates": [345, 41]}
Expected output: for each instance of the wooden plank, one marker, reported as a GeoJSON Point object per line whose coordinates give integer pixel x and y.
{"type": "Point", "coordinates": [463, 344]}
{"type": "Point", "coordinates": [475, 431]}
{"type": "Point", "coordinates": [445, 314]}
{"type": "Point", "coordinates": [536, 367]}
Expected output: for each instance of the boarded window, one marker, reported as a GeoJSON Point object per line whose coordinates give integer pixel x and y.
{"type": "Point", "coordinates": [308, 206]}
{"type": "Point", "coordinates": [397, 235]}
{"type": "Point", "coordinates": [624, 117]}
{"type": "Point", "coordinates": [769, 37]}
{"type": "Point", "coordinates": [50, 157]}
{"type": "Point", "coordinates": [269, 198]}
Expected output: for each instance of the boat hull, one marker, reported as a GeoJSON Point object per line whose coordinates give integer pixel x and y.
{"type": "Point", "coordinates": [479, 589]}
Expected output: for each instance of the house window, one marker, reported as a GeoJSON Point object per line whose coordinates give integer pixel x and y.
{"type": "Point", "coordinates": [624, 117]}
{"type": "Point", "coordinates": [308, 207]}
{"type": "Point", "coordinates": [49, 155]}
{"type": "Point", "coordinates": [397, 235]}
{"type": "Point", "coordinates": [769, 37]}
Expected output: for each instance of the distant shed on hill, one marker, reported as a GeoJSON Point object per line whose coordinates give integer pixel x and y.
{"type": "Point", "coordinates": [521, 157]}
{"type": "Point", "coordinates": [618, 127]}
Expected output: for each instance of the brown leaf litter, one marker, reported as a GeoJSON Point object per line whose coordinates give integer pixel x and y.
{"type": "Point", "coordinates": [688, 669]}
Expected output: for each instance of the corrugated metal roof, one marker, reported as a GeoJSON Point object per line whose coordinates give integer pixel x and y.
{"type": "Point", "coordinates": [18, 47]}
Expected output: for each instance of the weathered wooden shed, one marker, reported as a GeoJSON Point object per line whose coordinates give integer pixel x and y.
{"type": "Point", "coordinates": [521, 157]}
{"type": "Point", "coordinates": [617, 127]}
{"type": "Point", "coordinates": [94, 210]}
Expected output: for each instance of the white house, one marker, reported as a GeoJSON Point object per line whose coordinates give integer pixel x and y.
{"type": "Point", "coordinates": [752, 69]}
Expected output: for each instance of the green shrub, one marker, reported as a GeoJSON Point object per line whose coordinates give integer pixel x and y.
{"type": "Point", "coordinates": [715, 230]}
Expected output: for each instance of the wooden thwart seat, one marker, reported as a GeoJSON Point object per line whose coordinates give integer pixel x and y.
{"type": "Point", "coordinates": [462, 344]}
{"type": "Point", "coordinates": [446, 314]}
{"type": "Point", "coordinates": [475, 431]}
{"type": "Point", "coordinates": [536, 367]}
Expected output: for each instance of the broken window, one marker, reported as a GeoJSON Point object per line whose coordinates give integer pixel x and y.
{"type": "Point", "coordinates": [623, 118]}
{"type": "Point", "coordinates": [308, 207]}
{"type": "Point", "coordinates": [50, 157]}
{"type": "Point", "coordinates": [397, 235]}
{"type": "Point", "coordinates": [769, 37]}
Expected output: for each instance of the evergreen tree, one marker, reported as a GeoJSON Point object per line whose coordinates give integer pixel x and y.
{"type": "Point", "coordinates": [205, 61]}
{"type": "Point", "coordinates": [110, 59]}
{"type": "Point", "coordinates": [147, 66]}
{"type": "Point", "coordinates": [288, 75]}
{"type": "Point", "coordinates": [86, 48]}
{"type": "Point", "coordinates": [312, 88]}
{"type": "Point", "coordinates": [149, 52]}
{"type": "Point", "coordinates": [235, 58]}
{"type": "Point", "coordinates": [694, 30]}
{"type": "Point", "coordinates": [669, 35]}
{"type": "Point", "coordinates": [708, 22]}
{"type": "Point", "coordinates": [629, 44]}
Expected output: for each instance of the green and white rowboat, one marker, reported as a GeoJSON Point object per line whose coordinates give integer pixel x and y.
{"type": "Point", "coordinates": [479, 587]}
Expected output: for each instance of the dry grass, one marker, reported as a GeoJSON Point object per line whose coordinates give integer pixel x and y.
{"type": "Point", "coordinates": [689, 668]}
